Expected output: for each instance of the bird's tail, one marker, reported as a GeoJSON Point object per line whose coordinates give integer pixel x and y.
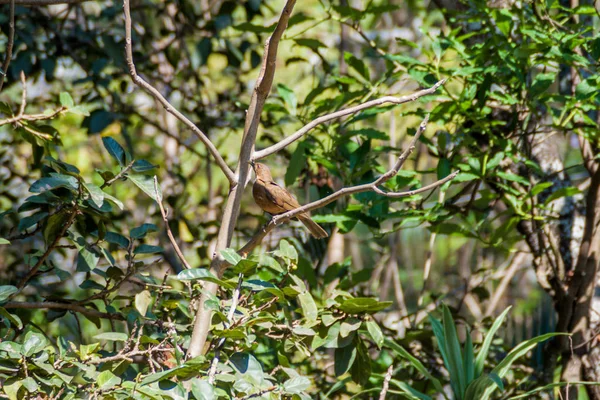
{"type": "Point", "coordinates": [314, 228]}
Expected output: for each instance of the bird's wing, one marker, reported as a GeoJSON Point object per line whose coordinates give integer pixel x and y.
{"type": "Point", "coordinates": [281, 197]}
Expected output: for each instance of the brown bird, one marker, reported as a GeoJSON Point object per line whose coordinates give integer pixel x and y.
{"type": "Point", "coordinates": [275, 200]}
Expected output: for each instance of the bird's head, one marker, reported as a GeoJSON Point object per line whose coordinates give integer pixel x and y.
{"type": "Point", "coordinates": [262, 171]}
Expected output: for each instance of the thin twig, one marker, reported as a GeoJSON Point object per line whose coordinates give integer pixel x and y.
{"type": "Point", "coordinates": [169, 233]}
{"type": "Point", "coordinates": [118, 176]}
{"type": "Point", "coordinates": [23, 95]}
{"type": "Point", "coordinates": [32, 117]}
{"type": "Point", "coordinates": [386, 382]}
{"type": "Point", "coordinates": [341, 113]}
{"type": "Point", "coordinates": [151, 90]}
{"type": "Point", "coordinates": [9, 45]}
{"type": "Point", "coordinates": [259, 393]}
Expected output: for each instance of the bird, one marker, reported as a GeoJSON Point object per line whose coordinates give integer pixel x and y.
{"type": "Point", "coordinates": [275, 200]}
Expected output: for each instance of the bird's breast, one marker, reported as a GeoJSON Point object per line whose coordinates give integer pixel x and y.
{"type": "Point", "coordinates": [259, 192]}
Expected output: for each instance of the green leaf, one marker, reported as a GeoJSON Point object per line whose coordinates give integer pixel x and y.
{"type": "Point", "coordinates": [296, 385]}
{"type": "Point", "coordinates": [454, 353]}
{"type": "Point", "coordinates": [107, 380]}
{"type": "Point", "coordinates": [33, 343]}
{"type": "Point", "coordinates": [202, 274]}
{"type": "Point", "coordinates": [414, 362]}
{"type": "Point", "coordinates": [96, 194]}
{"type": "Point", "coordinates": [562, 192]}
{"type": "Point", "coordinates": [112, 336]}
{"type": "Point", "coordinates": [203, 390]}
{"type": "Point", "coordinates": [114, 149]}
{"type": "Point", "coordinates": [487, 343]}
{"type": "Point", "coordinates": [114, 200]}
{"type": "Point", "coordinates": [55, 181]}
{"type": "Point", "coordinates": [117, 238]}
{"type": "Point", "coordinates": [87, 259]}
{"type": "Point", "coordinates": [468, 362]}
{"type": "Point", "coordinates": [539, 188]}
{"type": "Point", "coordinates": [146, 184]}
{"type": "Point", "coordinates": [54, 225]}
{"type": "Point", "coordinates": [344, 358]}
{"type": "Point", "coordinates": [142, 166]}
{"type": "Point", "coordinates": [349, 326]}
{"type": "Point", "coordinates": [444, 168]}
{"type": "Point", "coordinates": [519, 351]}
{"type": "Point", "coordinates": [6, 291]}
{"type": "Point", "coordinates": [231, 256]}
{"type": "Point", "coordinates": [142, 301]}
{"type": "Point", "coordinates": [286, 250]}
{"type": "Point", "coordinates": [31, 220]}
{"type": "Point", "coordinates": [66, 100]}
{"type": "Point", "coordinates": [411, 393]}
{"type": "Point", "coordinates": [303, 331]}
{"type": "Point", "coordinates": [361, 369]}
{"type": "Point", "coordinates": [309, 307]}
{"type": "Point", "coordinates": [141, 231]}
{"type": "Point", "coordinates": [147, 249]}
{"type": "Point", "coordinates": [477, 388]}
{"type": "Point", "coordinates": [375, 332]}
{"type": "Point", "coordinates": [358, 65]}
{"type": "Point", "coordinates": [30, 384]}
{"type": "Point", "coordinates": [363, 305]}
{"type": "Point", "coordinates": [4, 241]}
{"type": "Point", "coordinates": [541, 83]}
{"type": "Point", "coordinates": [13, 318]}
{"type": "Point", "coordinates": [79, 110]}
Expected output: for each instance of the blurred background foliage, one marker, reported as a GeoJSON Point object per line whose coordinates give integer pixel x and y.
{"type": "Point", "coordinates": [316, 319]}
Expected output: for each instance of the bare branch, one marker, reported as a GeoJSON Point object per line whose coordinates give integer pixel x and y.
{"type": "Point", "coordinates": [32, 117]}
{"type": "Point", "coordinates": [62, 306]}
{"type": "Point", "coordinates": [342, 113]}
{"type": "Point", "coordinates": [386, 383]}
{"type": "Point", "coordinates": [151, 90]}
{"type": "Point", "coordinates": [9, 45]}
{"type": "Point", "coordinates": [347, 191]}
{"type": "Point", "coordinates": [169, 233]}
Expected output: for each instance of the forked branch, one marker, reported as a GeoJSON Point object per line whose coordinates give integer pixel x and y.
{"type": "Point", "coordinates": [347, 191]}
{"type": "Point", "coordinates": [151, 90]}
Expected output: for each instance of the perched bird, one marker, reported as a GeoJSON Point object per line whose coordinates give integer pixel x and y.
{"type": "Point", "coordinates": [275, 200]}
